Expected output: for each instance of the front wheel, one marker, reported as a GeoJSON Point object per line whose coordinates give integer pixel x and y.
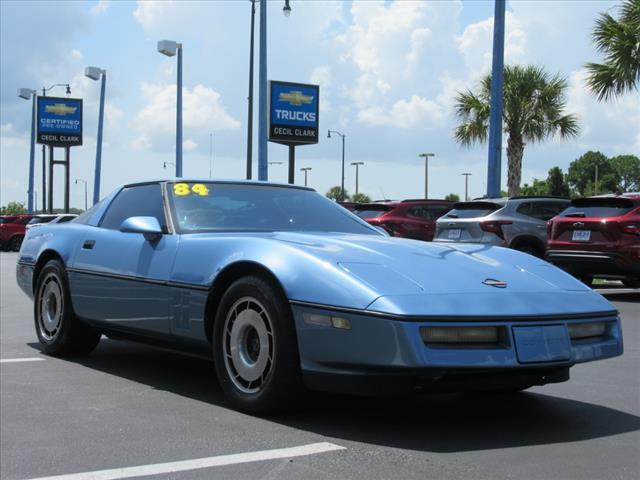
{"type": "Point", "coordinates": [59, 331]}
{"type": "Point", "coordinates": [255, 347]}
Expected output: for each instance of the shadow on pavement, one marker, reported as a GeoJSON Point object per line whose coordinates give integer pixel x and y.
{"type": "Point", "coordinates": [445, 423]}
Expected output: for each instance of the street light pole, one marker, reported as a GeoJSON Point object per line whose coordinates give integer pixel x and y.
{"type": "Point", "coordinates": [263, 160]}
{"type": "Point", "coordinates": [466, 186]}
{"type": "Point", "coordinates": [85, 191]}
{"type": "Point", "coordinates": [171, 48]}
{"type": "Point", "coordinates": [426, 171]}
{"type": "Point", "coordinates": [306, 170]}
{"type": "Point", "coordinates": [210, 154]}
{"type": "Point", "coordinates": [250, 98]}
{"type": "Point", "coordinates": [342, 181]}
{"type": "Point", "coordinates": [357, 165]}
{"type": "Point", "coordinates": [28, 93]}
{"type": "Point", "coordinates": [95, 73]}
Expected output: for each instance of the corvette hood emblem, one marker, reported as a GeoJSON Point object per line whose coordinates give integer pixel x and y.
{"type": "Point", "coordinates": [492, 282]}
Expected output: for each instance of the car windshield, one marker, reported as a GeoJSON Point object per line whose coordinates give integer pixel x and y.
{"type": "Point", "coordinates": [7, 220]}
{"type": "Point", "coordinates": [371, 212]}
{"type": "Point", "coordinates": [35, 220]}
{"type": "Point", "coordinates": [599, 207]}
{"type": "Point", "coordinates": [472, 209]}
{"type": "Point", "coordinates": [201, 207]}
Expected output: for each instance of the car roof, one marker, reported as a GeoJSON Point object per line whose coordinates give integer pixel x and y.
{"type": "Point", "coordinates": [219, 181]}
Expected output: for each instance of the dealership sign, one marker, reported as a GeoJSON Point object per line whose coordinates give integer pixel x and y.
{"type": "Point", "coordinates": [59, 121]}
{"type": "Point", "coordinates": [293, 113]}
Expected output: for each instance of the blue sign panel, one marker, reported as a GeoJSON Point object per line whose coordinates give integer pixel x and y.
{"type": "Point", "coordinates": [59, 121]}
{"type": "Point", "coordinates": [293, 113]}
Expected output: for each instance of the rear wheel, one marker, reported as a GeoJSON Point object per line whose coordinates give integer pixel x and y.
{"type": "Point", "coordinates": [16, 243]}
{"type": "Point", "coordinates": [59, 331]}
{"type": "Point", "coordinates": [255, 347]}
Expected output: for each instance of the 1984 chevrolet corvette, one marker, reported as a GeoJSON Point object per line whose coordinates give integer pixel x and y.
{"type": "Point", "coordinates": [286, 289]}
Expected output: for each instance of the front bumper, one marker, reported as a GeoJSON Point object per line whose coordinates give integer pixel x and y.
{"type": "Point", "coordinates": [24, 277]}
{"type": "Point", "coordinates": [383, 355]}
{"type": "Point", "coordinates": [582, 262]}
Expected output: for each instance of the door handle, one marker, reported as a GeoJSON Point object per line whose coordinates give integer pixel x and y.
{"type": "Point", "coordinates": [88, 244]}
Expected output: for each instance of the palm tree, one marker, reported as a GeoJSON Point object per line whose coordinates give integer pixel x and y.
{"type": "Point", "coordinates": [533, 111]}
{"type": "Point", "coordinates": [619, 42]}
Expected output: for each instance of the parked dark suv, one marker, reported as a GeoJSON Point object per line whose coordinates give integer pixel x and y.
{"type": "Point", "coordinates": [598, 237]}
{"type": "Point", "coordinates": [408, 218]}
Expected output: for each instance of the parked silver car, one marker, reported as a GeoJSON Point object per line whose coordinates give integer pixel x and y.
{"type": "Point", "coordinates": [517, 222]}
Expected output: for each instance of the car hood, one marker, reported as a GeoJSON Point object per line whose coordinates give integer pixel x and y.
{"type": "Point", "coordinates": [395, 266]}
{"type": "Point", "coordinates": [418, 278]}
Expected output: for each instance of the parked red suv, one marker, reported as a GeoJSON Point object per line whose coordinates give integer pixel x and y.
{"type": "Point", "coordinates": [408, 218]}
{"type": "Point", "coordinates": [598, 236]}
{"type": "Point", "coordinates": [13, 228]}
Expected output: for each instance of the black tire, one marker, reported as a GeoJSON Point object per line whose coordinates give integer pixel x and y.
{"type": "Point", "coordinates": [631, 282]}
{"type": "Point", "coordinates": [59, 331]}
{"type": "Point", "coordinates": [255, 318]}
{"type": "Point", "coordinates": [16, 243]}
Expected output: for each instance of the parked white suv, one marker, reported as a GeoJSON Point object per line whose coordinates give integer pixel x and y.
{"type": "Point", "coordinates": [517, 222]}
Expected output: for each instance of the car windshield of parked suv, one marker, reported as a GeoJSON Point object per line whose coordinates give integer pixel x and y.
{"type": "Point", "coordinates": [472, 209]}
{"type": "Point", "coordinates": [598, 207]}
{"type": "Point", "coordinates": [201, 207]}
{"type": "Point", "coordinates": [35, 220]}
{"type": "Point", "coordinates": [7, 220]}
{"type": "Point", "coordinates": [372, 211]}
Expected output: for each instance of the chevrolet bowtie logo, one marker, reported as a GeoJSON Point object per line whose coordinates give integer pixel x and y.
{"type": "Point", "coordinates": [60, 109]}
{"type": "Point", "coordinates": [296, 98]}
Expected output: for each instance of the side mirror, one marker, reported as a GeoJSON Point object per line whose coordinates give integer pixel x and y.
{"type": "Point", "coordinates": [148, 226]}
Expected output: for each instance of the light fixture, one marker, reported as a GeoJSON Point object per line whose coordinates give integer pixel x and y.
{"type": "Point", "coordinates": [286, 9]}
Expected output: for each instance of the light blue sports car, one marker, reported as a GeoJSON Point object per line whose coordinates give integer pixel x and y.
{"type": "Point", "coordinates": [285, 289]}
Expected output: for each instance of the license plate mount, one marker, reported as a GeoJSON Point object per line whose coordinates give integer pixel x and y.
{"type": "Point", "coordinates": [542, 344]}
{"type": "Point", "coordinates": [454, 234]}
{"type": "Point", "coordinates": [581, 235]}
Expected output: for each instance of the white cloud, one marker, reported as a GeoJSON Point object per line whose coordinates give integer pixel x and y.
{"type": "Point", "coordinates": [141, 143]}
{"type": "Point", "coordinates": [201, 111]}
{"type": "Point", "coordinates": [148, 11]}
{"type": "Point", "coordinates": [475, 44]}
{"type": "Point", "coordinates": [11, 138]}
{"type": "Point", "coordinates": [189, 145]}
{"type": "Point", "coordinates": [608, 126]}
{"type": "Point", "coordinates": [99, 8]}
{"type": "Point", "coordinates": [76, 54]}
{"type": "Point", "coordinates": [417, 112]}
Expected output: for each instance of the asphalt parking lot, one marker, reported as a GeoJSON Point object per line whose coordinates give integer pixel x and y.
{"type": "Point", "coordinates": [140, 412]}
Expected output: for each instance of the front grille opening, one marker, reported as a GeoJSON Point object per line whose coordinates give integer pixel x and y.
{"type": "Point", "coordinates": [480, 336]}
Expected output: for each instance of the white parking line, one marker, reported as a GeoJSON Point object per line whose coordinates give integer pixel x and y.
{"type": "Point", "coordinates": [181, 466]}
{"type": "Point", "coordinates": [24, 359]}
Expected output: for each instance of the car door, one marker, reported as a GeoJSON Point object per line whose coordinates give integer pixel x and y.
{"type": "Point", "coordinates": [120, 278]}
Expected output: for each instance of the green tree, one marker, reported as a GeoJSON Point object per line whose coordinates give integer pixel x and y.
{"type": "Point", "coordinates": [556, 184]}
{"type": "Point", "coordinates": [534, 103]}
{"type": "Point", "coordinates": [452, 197]}
{"type": "Point", "coordinates": [619, 42]}
{"type": "Point", "coordinates": [334, 193]}
{"type": "Point", "coordinates": [13, 208]}
{"type": "Point", "coordinates": [627, 171]}
{"type": "Point", "coordinates": [360, 198]}
{"type": "Point", "coordinates": [537, 187]}
{"type": "Point", "coordinates": [582, 174]}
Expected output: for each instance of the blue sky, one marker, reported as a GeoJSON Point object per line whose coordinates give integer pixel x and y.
{"type": "Point", "coordinates": [388, 72]}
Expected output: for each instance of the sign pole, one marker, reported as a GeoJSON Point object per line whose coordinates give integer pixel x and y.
{"type": "Point", "coordinates": [67, 159]}
{"type": "Point", "coordinates": [495, 123]}
{"type": "Point", "coordinates": [292, 164]}
{"type": "Point", "coordinates": [50, 192]}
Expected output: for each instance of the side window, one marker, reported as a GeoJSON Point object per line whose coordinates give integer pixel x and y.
{"type": "Point", "coordinates": [138, 201]}
{"type": "Point", "coordinates": [416, 212]}
{"type": "Point", "coordinates": [524, 209]}
{"type": "Point", "coordinates": [547, 210]}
